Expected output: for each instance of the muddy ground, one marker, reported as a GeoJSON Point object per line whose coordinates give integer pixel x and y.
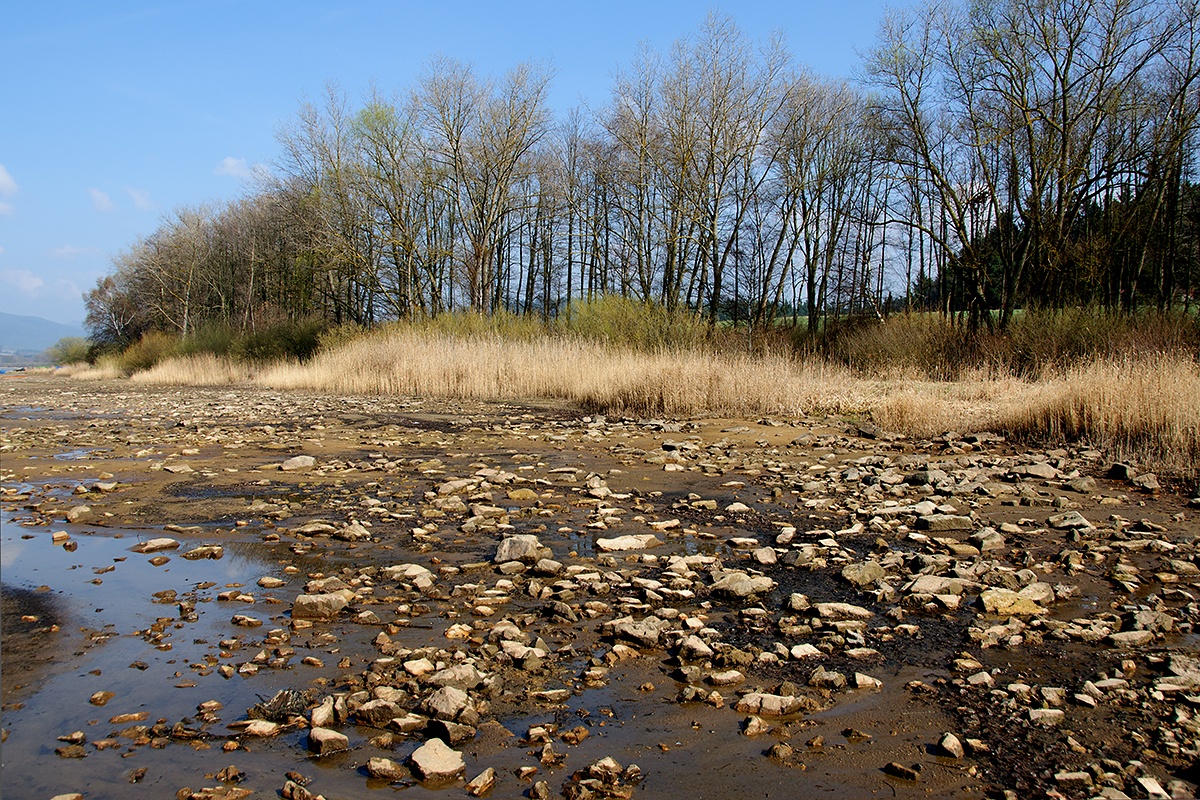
{"type": "Point", "coordinates": [751, 608]}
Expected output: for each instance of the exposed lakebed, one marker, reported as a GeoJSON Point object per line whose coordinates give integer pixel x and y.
{"type": "Point", "coordinates": [585, 606]}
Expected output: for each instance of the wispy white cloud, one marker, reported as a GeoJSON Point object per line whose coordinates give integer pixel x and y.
{"type": "Point", "coordinates": [100, 200]}
{"type": "Point", "coordinates": [71, 251]}
{"type": "Point", "coordinates": [233, 167]}
{"type": "Point", "coordinates": [22, 280]}
{"type": "Point", "coordinates": [8, 187]}
{"type": "Point", "coordinates": [68, 289]}
{"type": "Point", "coordinates": [1, 251]}
{"type": "Point", "coordinates": [141, 199]}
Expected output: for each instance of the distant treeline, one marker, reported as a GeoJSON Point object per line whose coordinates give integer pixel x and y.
{"type": "Point", "coordinates": [990, 156]}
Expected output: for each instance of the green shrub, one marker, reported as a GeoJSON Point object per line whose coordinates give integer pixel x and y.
{"type": "Point", "coordinates": [502, 324]}
{"type": "Point", "coordinates": [339, 336]}
{"type": "Point", "coordinates": [298, 339]}
{"type": "Point", "coordinates": [153, 347]}
{"type": "Point", "coordinates": [217, 338]}
{"type": "Point", "coordinates": [69, 350]}
{"type": "Point", "coordinates": [633, 324]}
{"type": "Point", "coordinates": [1035, 344]}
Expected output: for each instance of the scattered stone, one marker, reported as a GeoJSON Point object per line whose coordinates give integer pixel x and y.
{"type": "Point", "coordinates": [740, 585]}
{"type": "Point", "coordinates": [436, 761]}
{"type": "Point", "coordinates": [1005, 603]}
{"type": "Point", "coordinates": [482, 783]}
{"type": "Point", "coordinates": [323, 741]}
{"type": "Point", "coordinates": [898, 770]}
{"type": "Point", "coordinates": [864, 574]}
{"type": "Point", "coordinates": [298, 463]}
{"type": "Point", "coordinates": [319, 606]}
{"type": "Point", "coordinates": [155, 545]}
{"type": "Point", "coordinates": [522, 547]}
{"type": "Point", "coordinates": [1069, 520]}
{"type": "Point", "coordinates": [386, 769]}
{"type": "Point", "coordinates": [633, 541]}
{"type": "Point", "coordinates": [951, 746]}
{"type": "Point", "coordinates": [936, 523]}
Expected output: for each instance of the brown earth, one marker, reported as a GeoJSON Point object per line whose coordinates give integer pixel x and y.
{"type": "Point", "coordinates": [203, 466]}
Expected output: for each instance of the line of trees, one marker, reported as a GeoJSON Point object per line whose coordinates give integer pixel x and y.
{"type": "Point", "coordinates": [991, 156]}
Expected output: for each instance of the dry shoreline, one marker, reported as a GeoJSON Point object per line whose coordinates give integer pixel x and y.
{"type": "Point", "coordinates": [201, 466]}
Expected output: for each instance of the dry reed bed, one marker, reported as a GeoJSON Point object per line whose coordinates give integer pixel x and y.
{"type": "Point", "coordinates": [406, 362]}
{"type": "Point", "coordinates": [1145, 408]}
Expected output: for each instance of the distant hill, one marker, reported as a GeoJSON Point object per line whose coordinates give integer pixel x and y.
{"type": "Point", "coordinates": [32, 334]}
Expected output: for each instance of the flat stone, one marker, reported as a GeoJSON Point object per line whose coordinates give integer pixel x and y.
{"type": "Point", "coordinates": [386, 769]}
{"type": "Point", "coordinates": [297, 463]}
{"type": "Point", "coordinates": [1046, 716]}
{"type": "Point", "coordinates": [324, 741]}
{"type": "Point", "coordinates": [1131, 638]}
{"type": "Point", "coordinates": [211, 551]}
{"type": "Point", "coordinates": [934, 584]}
{"type": "Point", "coordinates": [863, 574]}
{"type": "Point", "coordinates": [944, 522]}
{"type": "Point", "coordinates": [435, 760]}
{"type": "Point", "coordinates": [769, 705]}
{"type": "Point", "coordinates": [740, 585]}
{"type": "Point", "coordinates": [1076, 780]}
{"type": "Point", "coordinates": [377, 713]}
{"type": "Point", "coordinates": [633, 541]}
{"type": "Point", "coordinates": [522, 547]}
{"type": "Point", "coordinates": [319, 606]}
{"type": "Point", "coordinates": [842, 611]}
{"type": "Point", "coordinates": [1040, 469]}
{"type": "Point", "coordinates": [1006, 603]}
{"type": "Point", "coordinates": [460, 676]}
{"type": "Point", "coordinates": [803, 651]}
{"type": "Point", "coordinates": [1147, 482]}
{"type": "Point", "coordinates": [447, 702]}
{"type": "Point", "coordinates": [482, 783]}
{"type": "Point", "coordinates": [1068, 520]}
{"type": "Point", "coordinates": [898, 770]}
{"type": "Point", "coordinates": [693, 648]}
{"type": "Point", "coordinates": [262, 728]}
{"type": "Point", "coordinates": [644, 632]}
{"type": "Point", "coordinates": [156, 545]}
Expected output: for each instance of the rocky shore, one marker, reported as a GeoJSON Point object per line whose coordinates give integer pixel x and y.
{"type": "Point", "coordinates": [524, 600]}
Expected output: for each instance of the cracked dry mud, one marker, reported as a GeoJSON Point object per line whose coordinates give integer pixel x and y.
{"type": "Point", "coordinates": [226, 592]}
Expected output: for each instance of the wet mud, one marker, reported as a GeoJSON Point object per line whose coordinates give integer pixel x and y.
{"type": "Point", "coordinates": [786, 567]}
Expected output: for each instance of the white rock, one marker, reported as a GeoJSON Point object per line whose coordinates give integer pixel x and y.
{"type": "Point", "coordinates": [155, 545]}
{"type": "Point", "coordinates": [633, 541]}
{"type": "Point", "coordinates": [297, 463]}
{"type": "Point", "coordinates": [435, 760]}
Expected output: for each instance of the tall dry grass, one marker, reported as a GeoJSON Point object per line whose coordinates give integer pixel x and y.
{"type": "Point", "coordinates": [202, 369]}
{"type": "Point", "coordinates": [1145, 408]}
{"type": "Point", "coordinates": [414, 361]}
{"type": "Point", "coordinates": [104, 369]}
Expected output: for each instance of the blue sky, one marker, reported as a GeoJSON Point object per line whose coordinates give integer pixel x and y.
{"type": "Point", "coordinates": [115, 113]}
